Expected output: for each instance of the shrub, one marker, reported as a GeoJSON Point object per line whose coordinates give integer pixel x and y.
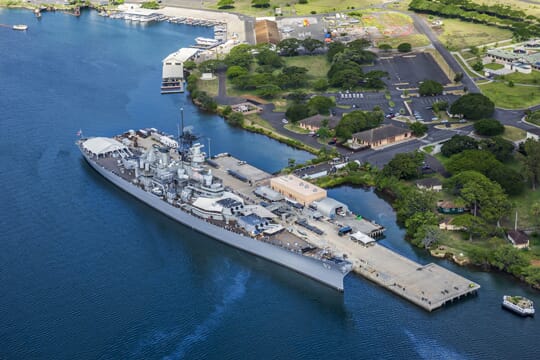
{"type": "Point", "coordinates": [404, 47]}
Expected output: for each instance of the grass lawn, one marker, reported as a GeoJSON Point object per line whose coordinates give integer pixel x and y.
{"type": "Point", "coordinates": [428, 149]}
{"type": "Point", "coordinates": [256, 120]}
{"type": "Point", "coordinates": [465, 68]}
{"type": "Point", "coordinates": [519, 78]}
{"type": "Point", "coordinates": [210, 86]}
{"type": "Point", "coordinates": [528, 7]}
{"type": "Point", "coordinates": [493, 66]}
{"type": "Point", "coordinates": [523, 204]}
{"type": "Point", "coordinates": [534, 118]}
{"type": "Point", "coordinates": [319, 6]}
{"type": "Point", "coordinates": [516, 97]}
{"type": "Point", "coordinates": [458, 34]}
{"type": "Point", "coordinates": [296, 129]}
{"type": "Point", "coordinates": [513, 133]}
{"type": "Point", "coordinates": [443, 159]}
{"type": "Point", "coordinates": [317, 65]}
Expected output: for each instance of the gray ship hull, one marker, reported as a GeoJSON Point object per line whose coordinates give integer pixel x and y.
{"type": "Point", "coordinates": [321, 270]}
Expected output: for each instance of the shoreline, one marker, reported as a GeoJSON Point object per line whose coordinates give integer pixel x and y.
{"type": "Point", "coordinates": [176, 11]}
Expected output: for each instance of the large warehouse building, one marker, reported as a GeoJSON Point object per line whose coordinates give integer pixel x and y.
{"type": "Point", "coordinates": [297, 189]}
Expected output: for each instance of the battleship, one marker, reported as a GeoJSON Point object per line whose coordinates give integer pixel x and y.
{"type": "Point", "coordinates": [177, 180]}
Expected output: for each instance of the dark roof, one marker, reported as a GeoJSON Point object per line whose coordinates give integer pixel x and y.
{"type": "Point", "coordinates": [535, 131]}
{"type": "Point", "coordinates": [518, 237]}
{"type": "Point", "coordinates": [316, 120]}
{"type": "Point", "coordinates": [380, 133]}
{"type": "Point", "coordinates": [229, 203]}
{"type": "Point", "coordinates": [429, 182]}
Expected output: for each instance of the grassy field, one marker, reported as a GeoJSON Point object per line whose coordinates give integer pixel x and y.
{"type": "Point", "coordinates": [513, 133]}
{"type": "Point", "coordinates": [317, 65]}
{"type": "Point", "coordinates": [516, 97]}
{"type": "Point", "coordinates": [519, 78]}
{"type": "Point", "coordinates": [292, 7]}
{"type": "Point", "coordinates": [210, 86]}
{"type": "Point", "coordinates": [465, 68]}
{"type": "Point", "coordinates": [458, 34]}
{"type": "Point", "coordinates": [493, 66]}
{"type": "Point", "coordinates": [523, 205]}
{"type": "Point", "coordinates": [528, 7]}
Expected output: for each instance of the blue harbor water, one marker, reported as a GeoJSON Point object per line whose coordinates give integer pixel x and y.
{"type": "Point", "coordinates": [87, 272]}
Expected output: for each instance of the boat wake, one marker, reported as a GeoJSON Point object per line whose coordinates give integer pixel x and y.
{"type": "Point", "coordinates": [235, 292]}
{"type": "Point", "coordinates": [159, 338]}
{"type": "Point", "coordinates": [431, 349]}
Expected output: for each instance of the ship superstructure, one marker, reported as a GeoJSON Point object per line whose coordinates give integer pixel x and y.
{"type": "Point", "coordinates": [178, 182]}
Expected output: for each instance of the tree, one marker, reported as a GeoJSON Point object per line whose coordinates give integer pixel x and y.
{"type": "Point", "coordinates": [260, 3]}
{"type": "Point", "coordinates": [418, 128]}
{"type": "Point", "coordinates": [488, 127]}
{"type": "Point", "coordinates": [240, 55]}
{"type": "Point", "coordinates": [404, 166]}
{"type": "Point", "coordinates": [190, 65]}
{"type": "Point", "coordinates": [508, 258]}
{"type": "Point", "coordinates": [292, 77]}
{"type": "Point", "coordinates": [502, 149]}
{"type": "Point", "coordinates": [297, 112]}
{"type": "Point", "coordinates": [321, 104]}
{"type": "Point", "coordinates": [473, 106]}
{"type": "Point", "coordinates": [150, 5]}
{"type": "Point", "coordinates": [404, 47]}
{"type": "Point", "coordinates": [458, 77]}
{"type": "Point", "coordinates": [411, 201]}
{"type": "Point", "coordinates": [334, 48]}
{"type": "Point", "coordinates": [477, 160]}
{"type": "Point", "coordinates": [268, 91]}
{"type": "Point", "coordinates": [356, 121]}
{"type": "Point", "coordinates": [457, 144]}
{"type": "Point", "coordinates": [235, 71]}
{"type": "Point", "coordinates": [478, 66]}
{"type": "Point", "coordinates": [511, 180]}
{"type": "Point", "coordinates": [385, 47]}
{"type": "Point", "coordinates": [289, 47]}
{"type": "Point", "coordinates": [269, 57]}
{"type": "Point", "coordinates": [225, 4]}
{"type": "Point", "coordinates": [430, 88]}
{"type": "Point", "coordinates": [312, 44]}
{"type": "Point", "coordinates": [531, 161]}
{"type": "Point", "coordinates": [320, 85]}
{"type": "Point", "coordinates": [236, 119]}
{"type": "Point", "coordinates": [420, 220]}
{"type": "Point", "coordinates": [439, 106]}
{"type": "Point", "coordinates": [474, 226]}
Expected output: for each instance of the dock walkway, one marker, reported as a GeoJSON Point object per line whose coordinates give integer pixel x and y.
{"type": "Point", "coordinates": [429, 286]}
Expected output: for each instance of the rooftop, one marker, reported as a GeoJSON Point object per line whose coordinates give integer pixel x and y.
{"type": "Point", "coordinates": [316, 120]}
{"type": "Point", "coordinates": [380, 133]}
{"type": "Point", "coordinates": [298, 185]}
{"type": "Point", "coordinates": [429, 182]}
{"type": "Point", "coordinates": [518, 237]}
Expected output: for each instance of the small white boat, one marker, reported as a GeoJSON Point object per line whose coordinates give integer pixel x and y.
{"type": "Point", "coordinates": [518, 304]}
{"type": "Point", "coordinates": [20, 27]}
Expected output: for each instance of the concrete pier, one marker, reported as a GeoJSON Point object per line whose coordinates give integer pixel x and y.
{"type": "Point", "coordinates": [429, 286]}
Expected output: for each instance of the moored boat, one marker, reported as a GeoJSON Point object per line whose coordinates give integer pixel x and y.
{"type": "Point", "coordinates": [518, 304]}
{"type": "Point", "coordinates": [20, 27]}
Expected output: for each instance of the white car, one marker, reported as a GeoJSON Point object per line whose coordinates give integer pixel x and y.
{"type": "Point", "coordinates": [285, 121]}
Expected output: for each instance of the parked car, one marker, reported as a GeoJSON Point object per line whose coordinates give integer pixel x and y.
{"type": "Point", "coordinates": [285, 121]}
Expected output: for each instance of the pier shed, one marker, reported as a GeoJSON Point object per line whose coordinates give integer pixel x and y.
{"type": "Point", "coordinates": [173, 70]}
{"type": "Point", "coordinates": [330, 207]}
{"type": "Point", "coordinates": [297, 189]}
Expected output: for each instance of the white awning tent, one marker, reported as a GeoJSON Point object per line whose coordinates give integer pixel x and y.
{"type": "Point", "coordinates": [101, 146]}
{"type": "Point", "coordinates": [362, 238]}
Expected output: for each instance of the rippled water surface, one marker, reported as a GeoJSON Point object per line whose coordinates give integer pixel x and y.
{"type": "Point", "coordinates": [87, 272]}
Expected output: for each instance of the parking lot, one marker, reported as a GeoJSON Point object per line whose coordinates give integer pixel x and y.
{"type": "Point", "coordinates": [362, 100]}
{"type": "Point", "coordinates": [421, 105]}
{"type": "Point", "coordinates": [293, 27]}
{"type": "Point", "coordinates": [409, 70]}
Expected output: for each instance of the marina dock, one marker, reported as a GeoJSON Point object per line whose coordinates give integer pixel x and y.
{"type": "Point", "coordinates": [428, 286]}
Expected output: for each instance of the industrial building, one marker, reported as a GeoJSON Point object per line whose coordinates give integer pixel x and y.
{"type": "Point", "coordinates": [173, 70]}
{"type": "Point", "coordinates": [297, 189]}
